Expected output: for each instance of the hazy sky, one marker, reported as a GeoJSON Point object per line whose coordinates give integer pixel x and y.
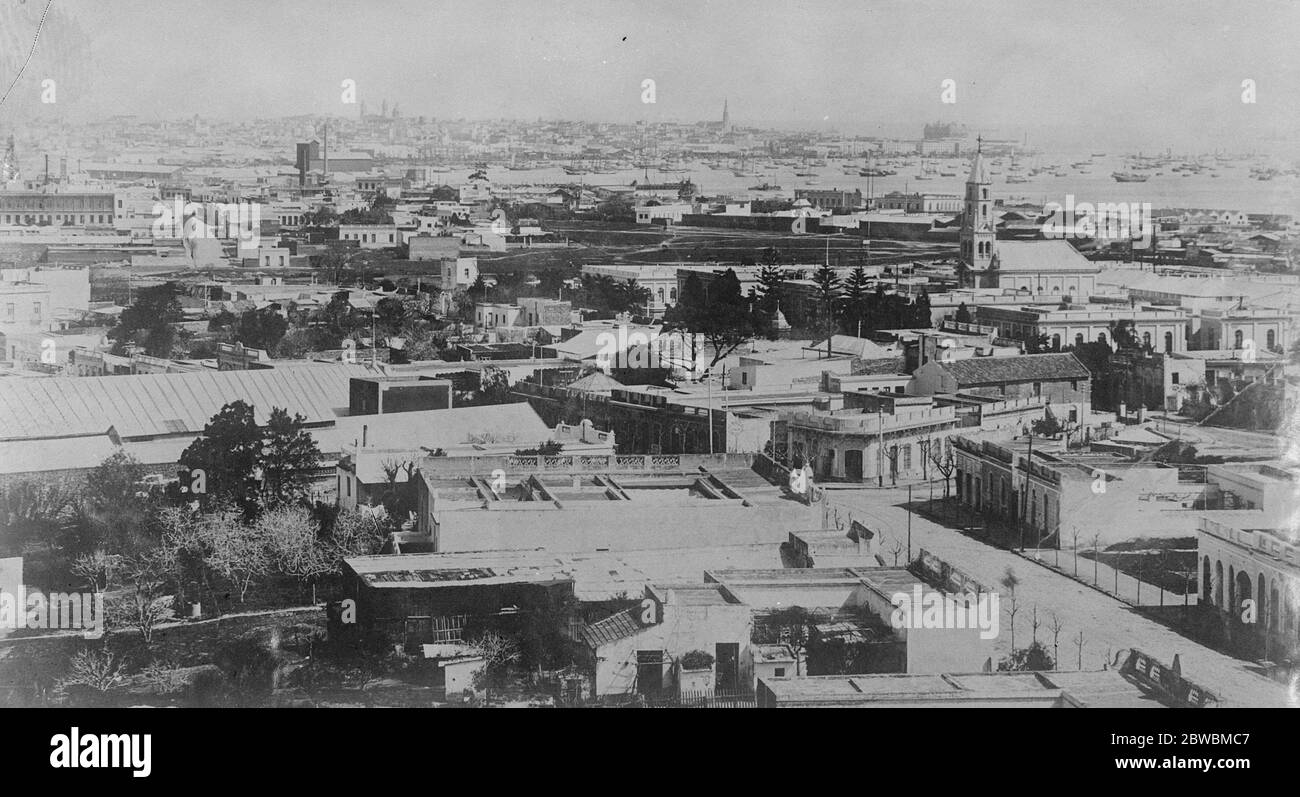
{"type": "Point", "coordinates": [1153, 73]}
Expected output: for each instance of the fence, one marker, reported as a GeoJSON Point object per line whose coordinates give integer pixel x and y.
{"type": "Point", "coordinates": [702, 700]}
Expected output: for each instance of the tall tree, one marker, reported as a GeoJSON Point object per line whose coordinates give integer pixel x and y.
{"type": "Point", "coordinates": [828, 297]}
{"type": "Point", "coordinates": [922, 315]}
{"type": "Point", "coordinates": [149, 318]}
{"type": "Point", "coordinates": [717, 312]}
{"type": "Point", "coordinates": [855, 298]}
{"type": "Point", "coordinates": [227, 454]}
{"type": "Point", "coordinates": [260, 329]}
{"type": "Point", "coordinates": [288, 457]}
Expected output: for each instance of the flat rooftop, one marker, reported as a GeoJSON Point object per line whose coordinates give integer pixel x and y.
{"type": "Point", "coordinates": [921, 687]}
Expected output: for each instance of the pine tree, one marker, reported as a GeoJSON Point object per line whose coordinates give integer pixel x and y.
{"type": "Point", "coordinates": [921, 313]}
{"type": "Point", "coordinates": [289, 455]}
{"type": "Point", "coordinates": [855, 298]}
{"type": "Point", "coordinates": [771, 281]}
{"type": "Point", "coordinates": [828, 296]}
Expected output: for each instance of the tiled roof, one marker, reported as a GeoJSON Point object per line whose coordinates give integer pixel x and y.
{"type": "Point", "coordinates": [611, 629]}
{"type": "Point", "coordinates": [1025, 368]}
{"type": "Point", "coordinates": [856, 347]}
{"type": "Point", "coordinates": [596, 382]}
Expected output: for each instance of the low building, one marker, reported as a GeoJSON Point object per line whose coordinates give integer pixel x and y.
{"type": "Point", "coordinates": [831, 199]}
{"type": "Point", "coordinates": [640, 650]}
{"type": "Point", "coordinates": [1164, 329]}
{"type": "Point", "coordinates": [370, 236]}
{"type": "Point", "coordinates": [1250, 572]}
{"type": "Point", "coordinates": [1058, 378]}
{"type": "Point", "coordinates": [872, 447]}
{"type": "Point", "coordinates": [920, 202]}
{"type": "Point", "coordinates": [1141, 682]}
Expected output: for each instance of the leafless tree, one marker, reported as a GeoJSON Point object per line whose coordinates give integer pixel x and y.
{"type": "Point", "coordinates": [1056, 627]}
{"type": "Point", "coordinates": [293, 546]}
{"type": "Point", "coordinates": [239, 554]}
{"type": "Point", "coordinates": [892, 453]}
{"type": "Point", "coordinates": [497, 651]}
{"type": "Point", "coordinates": [897, 549]}
{"type": "Point", "coordinates": [1078, 643]}
{"type": "Point", "coordinates": [1034, 623]}
{"type": "Point", "coordinates": [145, 605]}
{"type": "Point", "coordinates": [99, 670]}
{"type": "Point", "coordinates": [944, 462]}
{"type": "Point", "coordinates": [165, 676]}
{"type": "Point", "coordinates": [96, 568]}
{"type": "Point", "coordinates": [1010, 581]}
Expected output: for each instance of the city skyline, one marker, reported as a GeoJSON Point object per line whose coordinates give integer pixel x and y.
{"type": "Point", "coordinates": [878, 70]}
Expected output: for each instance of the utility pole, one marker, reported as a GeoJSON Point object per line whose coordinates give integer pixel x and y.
{"type": "Point", "coordinates": [909, 523]}
{"type": "Point", "coordinates": [709, 388]}
{"type": "Point", "coordinates": [880, 446]}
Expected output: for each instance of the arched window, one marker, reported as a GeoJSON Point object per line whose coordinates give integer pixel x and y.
{"type": "Point", "coordinates": [1146, 339]}
{"type": "Point", "coordinates": [1101, 337]}
{"type": "Point", "coordinates": [1056, 343]}
{"type": "Point", "coordinates": [1237, 339]}
{"type": "Point", "coordinates": [1078, 339]}
{"type": "Point", "coordinates": [1271, 338]}
{"type": "Point", "coordinates": [1169, 342]}
{"type": "Point", "coordinates": [1218, 584]}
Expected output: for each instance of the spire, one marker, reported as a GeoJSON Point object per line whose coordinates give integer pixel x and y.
{"type": "Point", "coordinates": [979, 171]}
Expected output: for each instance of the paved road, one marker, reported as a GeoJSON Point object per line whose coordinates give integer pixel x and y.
{"type": "Point", "coordinates": [1108, 625]}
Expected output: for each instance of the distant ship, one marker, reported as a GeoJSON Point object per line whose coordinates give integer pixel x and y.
{"type": "Point", "coordinates": [877, 173]}
{"type": "Point", "coordinates": [765, 187]}
{"type": "Point", "coordinates": [1129, 177]}
{"type": "Point", "coordinates": [1015, 178]}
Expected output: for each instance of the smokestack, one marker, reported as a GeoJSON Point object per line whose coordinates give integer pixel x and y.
{"type": "Point", "coordinates": [364, 429]}
{"type": "Point", "coordinates": [47, 169]}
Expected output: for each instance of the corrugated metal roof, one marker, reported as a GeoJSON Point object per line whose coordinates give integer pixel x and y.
{"type": "Point", "coordinates": [611, 629]}
{"type": "Point", "coordinates": [160, 404]}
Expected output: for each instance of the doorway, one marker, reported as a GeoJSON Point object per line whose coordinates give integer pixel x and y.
{"type": "Point", "coordinates": [853, 464]}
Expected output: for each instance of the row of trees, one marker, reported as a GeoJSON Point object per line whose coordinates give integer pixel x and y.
{"type": "Point", "coordinates": [725, 318]}
{"type": "Point", "coordinates": [210, 555]}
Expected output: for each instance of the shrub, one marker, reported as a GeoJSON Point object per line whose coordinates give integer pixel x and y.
{"type": "Point", "coordinates": [697, 660]}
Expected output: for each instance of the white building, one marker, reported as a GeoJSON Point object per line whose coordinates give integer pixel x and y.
{"type": "Point", "coordinates": [370, 236]}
